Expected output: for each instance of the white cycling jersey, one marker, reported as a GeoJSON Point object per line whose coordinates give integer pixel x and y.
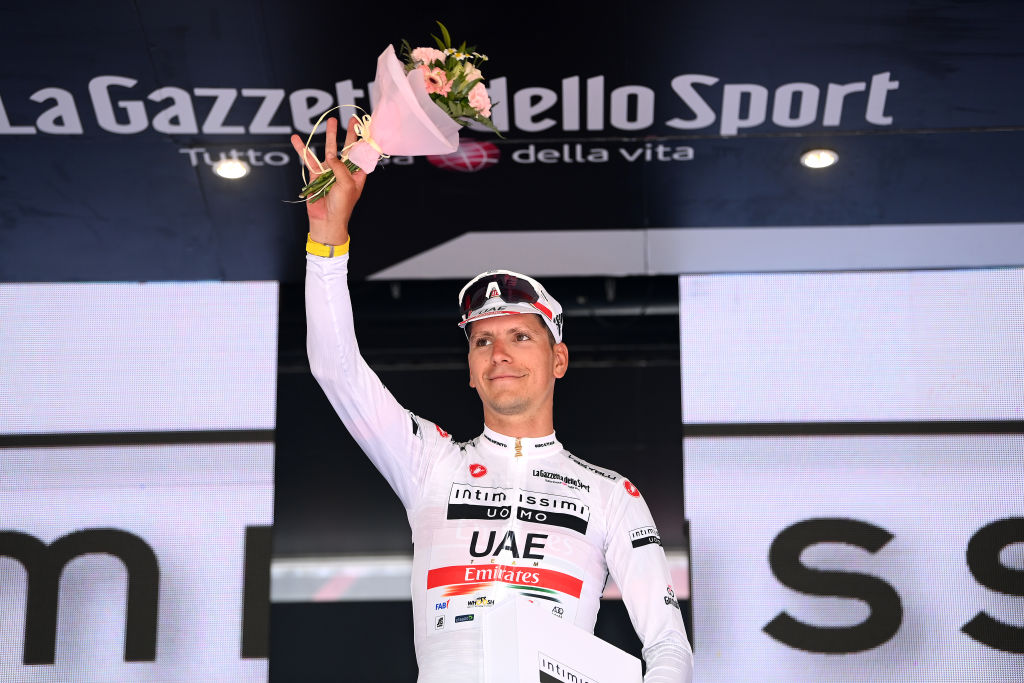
{"type": "Point", "coordinates": [495, 517]}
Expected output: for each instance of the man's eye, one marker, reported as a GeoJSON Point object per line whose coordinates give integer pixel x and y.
{"type": "Point", "coordinates": [522, 336]}
{"type": "Point", "coordinates": [481, 341]}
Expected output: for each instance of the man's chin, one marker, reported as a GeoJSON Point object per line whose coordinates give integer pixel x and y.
{"type": "Point", "coordinates": [510, 406]}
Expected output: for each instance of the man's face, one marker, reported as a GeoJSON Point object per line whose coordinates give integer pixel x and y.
{"type": "Point", "coordinates": [512, 364]}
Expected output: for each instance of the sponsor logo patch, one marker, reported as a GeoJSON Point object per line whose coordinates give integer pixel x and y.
{"type": "Point", "coordinates": [596, 470]}
{"type": "Point", "coordinates": [466, 501]}
{"type": "Point", "coordinates": [645, 535]}
{"type": "Point", "coordinates": [553, 671]}
{"type": "Point", "coordinates": [529, 550]}
{"type": "Point", "coordinates": [490, 309]}
{"type": "Point", "coordinates": [444, 434]}
{"type": "Point", "coordinates": [466, 579]}
{"type": "Point", "coordinates": [442, 605]}
{"type": "Point", "coordinates": [630, 489]}
{"type": "Point", "coordinates": [556, 478]}
{"type": "Point", "coordinates": [670, 597]}
{"type": "Point", "coordinates": [464, 617]}
{"type": "Point", "coordinates": [439, 623]}
{"type": "Point", "coordinates": [477, 470]}
{"type": "Point", "coordinates": [482, 601]}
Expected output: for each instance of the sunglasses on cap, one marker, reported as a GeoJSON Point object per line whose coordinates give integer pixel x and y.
{"type": "Point", "coordinates": [512, 288]}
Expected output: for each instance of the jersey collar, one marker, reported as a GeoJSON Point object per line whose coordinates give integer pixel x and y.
{"type": "Point", "coordinates": [498, 444]}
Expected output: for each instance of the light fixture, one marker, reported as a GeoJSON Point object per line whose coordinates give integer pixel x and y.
{"type": "Point", "coordinates": [232, 169]}
{"type": "Point", "coordinates": [819, 158]}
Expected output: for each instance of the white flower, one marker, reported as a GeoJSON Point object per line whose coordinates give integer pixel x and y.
{"type": "Point", "coordinates": [472, 73]}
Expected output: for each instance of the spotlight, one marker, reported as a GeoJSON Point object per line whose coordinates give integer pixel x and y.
{"type": "Point", "coordinates": [819, 158]}
{"type": "Point", "coordinates": [232, 169]}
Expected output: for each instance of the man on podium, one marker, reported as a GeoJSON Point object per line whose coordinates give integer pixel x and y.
{"type": "Point", "coordinates": [511, 512]}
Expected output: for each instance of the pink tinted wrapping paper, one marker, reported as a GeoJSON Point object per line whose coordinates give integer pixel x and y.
{"type": "Point", "coordinates": [405, 121]}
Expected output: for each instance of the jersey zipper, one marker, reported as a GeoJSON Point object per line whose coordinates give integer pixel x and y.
{"type": "Point", "coordinates": [513, 523]}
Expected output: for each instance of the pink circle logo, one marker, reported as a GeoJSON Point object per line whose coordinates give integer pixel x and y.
{"type": "Point", "coordinates": [470, 157]}
{"type": "Point", "coordinates": [477, 470]}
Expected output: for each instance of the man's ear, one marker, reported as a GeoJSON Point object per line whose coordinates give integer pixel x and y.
{"type": "Point", "coordinates": [561, 359]}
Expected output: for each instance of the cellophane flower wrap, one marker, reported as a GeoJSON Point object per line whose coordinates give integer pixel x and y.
{"type": "Point", "coordinates": [419, 106]}
{"type": "Point", "coordinates": [405, 121]}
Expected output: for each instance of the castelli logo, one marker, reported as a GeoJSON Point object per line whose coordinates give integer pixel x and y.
{"type": "Point", "coordinates": [630, 489]}
{"type": "Point", "coordinates": [444, 434]}
{"type": "Point", "coordinates": [477, 470]}
{"type": "Point", "coordinates": [471, 156]}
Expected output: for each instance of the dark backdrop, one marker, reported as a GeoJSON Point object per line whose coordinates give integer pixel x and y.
{"type": "Point", "coordinates": [130, 205]}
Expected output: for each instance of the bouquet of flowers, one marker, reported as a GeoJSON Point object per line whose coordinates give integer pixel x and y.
{"type": "Point", "coordinates": [421, 102]}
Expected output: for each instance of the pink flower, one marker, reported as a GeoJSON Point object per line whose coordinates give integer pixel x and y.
{"type": "Point", "coordinates": [436, 80]}
{"type": "Point", "coordinates": [479, 100]}
{"type": "Point", "coordinates": [427, 55]}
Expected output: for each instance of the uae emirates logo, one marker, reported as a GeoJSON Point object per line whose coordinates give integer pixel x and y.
{"type": "Point", "coordinates": [477, 470]}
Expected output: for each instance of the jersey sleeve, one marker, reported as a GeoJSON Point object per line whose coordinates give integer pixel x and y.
{"type": "Point", "coordinates": [395, 440]}
{"type": "Point", "coordinates": [637, 562]}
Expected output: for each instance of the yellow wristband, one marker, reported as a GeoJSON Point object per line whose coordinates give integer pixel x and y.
{"type": "Point", "coordinates": [326, 250]}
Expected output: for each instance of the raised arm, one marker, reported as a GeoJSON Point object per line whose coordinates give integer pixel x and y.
{"type": "Point", "coordinates": [390, 436]}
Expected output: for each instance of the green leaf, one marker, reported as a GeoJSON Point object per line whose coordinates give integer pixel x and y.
{"type": "Point", "coordinates": [487, 122]}
{"type": "Point", "coordinates": [444, 32]}
{"type": "Point", "coordinates": [319, 192]}
{"type": "Point", "coordinates": [440, 44]}
{"type": "Point", "coordinates": [324, 178]}
{"type": "Point", "coordinates": [472, 84]}
{"type": "Point", "coordinates": [444, 105]}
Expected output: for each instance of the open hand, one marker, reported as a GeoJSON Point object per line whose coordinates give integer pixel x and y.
{"type": "Point", "coordinates": [328, 217]}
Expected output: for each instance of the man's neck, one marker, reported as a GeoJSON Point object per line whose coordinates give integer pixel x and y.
{"type": "Point", "coordinates": [517, 426]}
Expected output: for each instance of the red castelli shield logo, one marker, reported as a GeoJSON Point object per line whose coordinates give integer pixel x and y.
{"type": "Point", "coordinates": [477, 470]}
{"type": "Point", "coordinates": [444, 434]}
{"type": "Point", "coordinates": [630, 489]}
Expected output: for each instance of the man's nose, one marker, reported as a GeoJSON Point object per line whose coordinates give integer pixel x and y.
{"type": "Point", "coordinates": [500, 352]}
